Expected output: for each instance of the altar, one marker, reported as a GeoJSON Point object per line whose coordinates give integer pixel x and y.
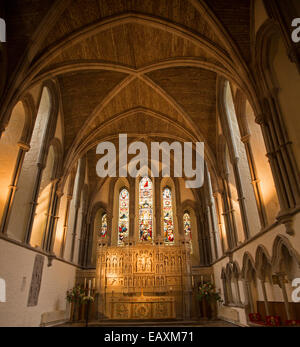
{"type": "Point", "coordinates": [143, 308]}
{"type": "Point", "coordinates": [142, 281]}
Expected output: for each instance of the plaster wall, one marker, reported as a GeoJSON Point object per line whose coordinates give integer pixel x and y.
{"type": "Point", "coordinates": [16, 269]}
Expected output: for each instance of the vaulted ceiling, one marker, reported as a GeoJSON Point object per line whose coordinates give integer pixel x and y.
{"type": "Point", "coordinates": [133, 66]}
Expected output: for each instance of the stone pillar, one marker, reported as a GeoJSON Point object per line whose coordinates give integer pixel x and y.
{"type": "Point", "coordinates": [255, 181]}
{"type": "Point", "coordinates": [283, 165]}
{"type": "Point", "coordinates": [23, 149]}
{"type": "Point", "coordinates": [263, 287]}
{"type": "Point", "coordinates": [228, 213]}
{"type": "Point", "coordinates": [77, 206]}
{"type": "Point", "coordinates": [249, 295]}
{"type": "Point", "coordinates": [281, 279]}
{"type": "Point", "coordinates": [237, 289]}
{"type": "Point", "coordinates": [158, 208]}
{"type": "Point", "coordinates": [215, 196]}
{"type": "Point", "coordinates": [132, 210]}
{"type": "Point", "coordinates": [82, 235]}
{"type": "Point", "coordinates": [86, 253]}
{"type": "Point", "coordinates": [241, 198]}
{"type": "Point", "coordinates": [214, 230]}
{"type": "Point", "coordinates": [225, 291]}
{"type": "Point", "coordinates": [49, 236]}
{"type": "Point", "coordinates": [65, 227]}
{"type": "Point", "coordinates": [34, 202]}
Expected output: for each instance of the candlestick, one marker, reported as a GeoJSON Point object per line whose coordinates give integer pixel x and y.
{"type": "Point", "coordinates": [94, 283]}
{"type": "Point", "coordinates": [90, 284]}
{"type": "Point", "coordinates": [84, 283]}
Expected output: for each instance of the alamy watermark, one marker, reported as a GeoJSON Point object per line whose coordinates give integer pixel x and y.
{"type": "Point", "coordinates": [2, 30]}
{"type": "Point", "coordinates": [2, 290]}
{"type": "Point", "coordinates": [138, 166]}
{"type": "Point", "coordinates": [296, 32]}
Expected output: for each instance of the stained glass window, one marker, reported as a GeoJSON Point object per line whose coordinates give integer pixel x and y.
{"type": "Point", "coordinates": [123, 216]}
{"type": "Point", "coordinates": [187, 227]}
{"type": "Point", "coordinates": [103, 232]}
{"type": "Point", "coordinates": [145, 209]}
{"type": "Point", "coordinates": [168, 216]}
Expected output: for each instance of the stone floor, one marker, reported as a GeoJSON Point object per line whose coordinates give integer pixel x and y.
{"type": "Point", "coordinates": [211, 323]}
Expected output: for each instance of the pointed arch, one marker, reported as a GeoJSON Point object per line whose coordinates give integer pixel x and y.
{"type": "Point", "coordinates": [281, 249]}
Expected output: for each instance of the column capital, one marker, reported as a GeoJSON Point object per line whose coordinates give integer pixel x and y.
{"type": "Point", "coordinates": [24, 146]}
{"type": "Point", "coordinates": [261, 120]}
{"type": "Point", "coordinates": [246, 139]}
{"type": "Point", "coordinates": [59, 193]}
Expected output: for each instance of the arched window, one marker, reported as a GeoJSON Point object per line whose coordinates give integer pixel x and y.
{"type": "Point", "coordinates": [187, 226]}
{"type": "Point", "coordinates": [168, 216]}
{"type": "Point", "coordinates": [103, 232]}
{"type": "Point", "coordinates": [123, 216]}
{"type": "Point", "coordinates": [145, 209]}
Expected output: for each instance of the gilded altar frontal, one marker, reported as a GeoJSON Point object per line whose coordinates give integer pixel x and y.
{"type": "Point", "coordinates": [149, 165]}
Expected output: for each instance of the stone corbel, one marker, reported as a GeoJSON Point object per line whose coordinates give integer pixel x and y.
{"type": "Point", "coordinates": [51, 257]}
{"type": "Point", "coordinates": [288, 222]}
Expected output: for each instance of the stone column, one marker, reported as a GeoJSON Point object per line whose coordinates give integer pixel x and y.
{"type": "Point", "coordinates": [281, 279]}
{"type": "Point", "coordinates": [215, 196]}
{"type": "Point", "coordinates": [249, 295]}
{"type": "Point", "coordinates": [225, 291]}
{"type": "Point", "coordinates": [23, 149]}
{"type": "Point", "coordinates": [255, 181]}
{"type": "Point", "coordinates": [214, 229]}
{"type": "Point", "coordinates": [77, 206]}
{"type": "Point", "coordinates": [65, 227]}
{"type": "Point", "coordinates": [241, 198]}
{"type": "Point", "coordinates": [34, 202]}
{"type": "Point", "coordinates": [263, 287]}
{"type": "Point", "coordinates": [283, 165]}
{"type": "Point", "coordinates": [49, 234]}
{"type": "Point", "coordinates": [88, 231]}
{"type": "Point", "coordinates": [202, 251]}
{"type": "Point", "coordinates": [132, 210]}
{"type": "Point", "coordinates": [237, 289]}
{"type": "Point", "coordinates": [158, 209]}
{"type": "Point", "coordinates": [82, 235]}
{"type": "Point", "coordinates": [228, 213]}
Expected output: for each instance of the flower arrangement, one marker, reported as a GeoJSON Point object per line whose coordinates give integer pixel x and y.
{"type": "Point", "coordinates": [75, 295]}
{"type": "Point", "coordinates": [207, 291]}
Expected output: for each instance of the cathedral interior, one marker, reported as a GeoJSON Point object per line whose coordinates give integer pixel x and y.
{"type": "Point", "coordinates": [76, 73]}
